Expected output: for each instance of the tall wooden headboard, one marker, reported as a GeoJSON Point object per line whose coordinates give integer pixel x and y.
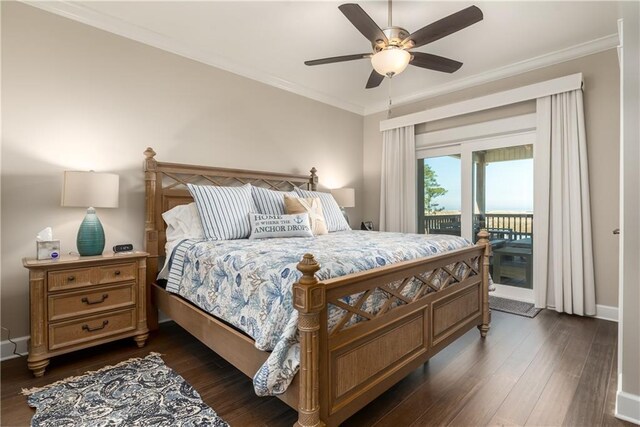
{"type": "Point", "coordinates": [165, 188]}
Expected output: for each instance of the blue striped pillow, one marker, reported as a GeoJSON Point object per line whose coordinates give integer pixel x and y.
{"type": "Point", "coordinates": [332, 214]}
{"type": "Point", "coordinates": [270, 202]}
{"type": "Point", "coordinates": [224, 211]}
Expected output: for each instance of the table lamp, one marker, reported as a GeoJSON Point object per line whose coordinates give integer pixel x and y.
{"type": "Point", "coordinates": [90, 190]}
{"type": "Point", "coordinates": [346, 198]}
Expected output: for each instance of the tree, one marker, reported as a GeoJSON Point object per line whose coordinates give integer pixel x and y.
{"type": "Point", "coordinates": [432, 190]}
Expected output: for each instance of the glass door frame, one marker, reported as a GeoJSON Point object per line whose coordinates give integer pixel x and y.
{"type": "Point", "coordinates": [465, 150]}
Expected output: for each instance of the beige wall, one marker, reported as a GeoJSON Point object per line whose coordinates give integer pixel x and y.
{"type": "Point", "coordinates": [75, 97]}
{"type": "Point", "coordinates": [602, 112]}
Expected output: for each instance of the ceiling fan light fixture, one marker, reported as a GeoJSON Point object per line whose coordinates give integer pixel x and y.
{"type": "Point", "coordinates": [389, 54]}
{"type": "Point", "coordinates": [390, 61]}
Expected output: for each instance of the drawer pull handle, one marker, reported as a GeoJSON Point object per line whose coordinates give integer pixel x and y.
{"type": "Point", "coordinates": [97, 328]}
{"type": "Point", "coordinates": [71, 278]}
{"type": "Point", "coordinates": [117, 272]}
{"type": "Point", "coordinates": [86, 300]}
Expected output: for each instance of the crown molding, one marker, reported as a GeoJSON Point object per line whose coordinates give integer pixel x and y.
{"type": "Point", "coordinates": [85, 15]}
{"type": "Point", "coordinates": [548, 59]}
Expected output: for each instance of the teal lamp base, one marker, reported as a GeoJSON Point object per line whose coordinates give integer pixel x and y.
{"type": "Point", "coordinates": [90, 239]}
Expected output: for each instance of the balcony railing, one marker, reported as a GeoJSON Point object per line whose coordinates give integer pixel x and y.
{"type": "Point", "coordinates": [508, 226]}
{"type": "Point", "coordinates": [511, 238]}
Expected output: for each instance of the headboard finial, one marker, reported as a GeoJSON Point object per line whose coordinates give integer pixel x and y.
{"type": "Point", "coordinates": [149, 153]}
{"type": "Point", "coordinates": [150, 164]}
{"type": "Point", "coordinates": [313, 179]}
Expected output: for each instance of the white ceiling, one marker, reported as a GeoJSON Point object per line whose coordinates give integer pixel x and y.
{"type": "Point", "coordinates": [269, 40]}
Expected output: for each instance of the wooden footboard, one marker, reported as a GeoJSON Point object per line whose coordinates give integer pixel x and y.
{"type": "Point", "coordinates": [347, 365]}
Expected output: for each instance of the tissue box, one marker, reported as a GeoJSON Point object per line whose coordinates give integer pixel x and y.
{"type": "Point", "coordinates": [49, 249]}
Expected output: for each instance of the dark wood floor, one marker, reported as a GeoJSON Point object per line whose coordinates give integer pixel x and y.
{"type": "Point", "coordinates": [551, 370]}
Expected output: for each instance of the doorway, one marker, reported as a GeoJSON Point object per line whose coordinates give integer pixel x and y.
{"type": "Point", "coordinates": [484, 183]}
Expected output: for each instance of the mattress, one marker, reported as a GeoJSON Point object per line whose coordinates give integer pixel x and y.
{"type": "Point", "coordinates": [248, 283]}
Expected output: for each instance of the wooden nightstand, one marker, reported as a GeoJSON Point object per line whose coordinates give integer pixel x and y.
{"type": "Point", "coordinates": [78, 302]}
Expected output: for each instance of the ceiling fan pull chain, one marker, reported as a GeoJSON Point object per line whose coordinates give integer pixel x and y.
{"type": "Point", "coordinates": [389, 94]}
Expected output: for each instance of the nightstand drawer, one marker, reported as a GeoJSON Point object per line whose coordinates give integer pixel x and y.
{"type": "Point", "coordinates": [116, 273]}
{"type": "Point", "coordinates": [78, 303]}
{"type": "Point", "coordinates": [92, 328]}
{"type": "Point", "coordinates": [69, 279]}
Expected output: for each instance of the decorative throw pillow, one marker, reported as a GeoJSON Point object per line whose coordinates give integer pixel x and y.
{"type": "Point", "coordinates": [332, 214]}
{"type": "Point", "coordinates": [269, 226]}
{"type": "Point", "coordinates": [270, 202]}
{"type": "Point", "coordinates": [311, 206]}
{"type": "Point", "coordinates": [224, 211]}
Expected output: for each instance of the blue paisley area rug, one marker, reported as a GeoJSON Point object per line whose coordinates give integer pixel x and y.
{"type": "Point", "coordinates": [136, 392]}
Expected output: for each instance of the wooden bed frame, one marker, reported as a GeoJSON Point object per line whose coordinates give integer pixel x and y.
{"type": "Point", "coordinates": [345, 368]}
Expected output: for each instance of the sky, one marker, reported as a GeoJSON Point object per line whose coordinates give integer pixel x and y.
{"type": "Point", "coordinates": [509, 184]}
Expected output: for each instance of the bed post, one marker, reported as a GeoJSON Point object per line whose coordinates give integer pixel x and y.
{"type": "Point", "coordinates": [313, 179]}
{"type": "Point", "coordinates": [150, 232]}
{"type": "Point", "coordinates": [309, 300]}
{"type": "Point", "coordinates": [483, 239]}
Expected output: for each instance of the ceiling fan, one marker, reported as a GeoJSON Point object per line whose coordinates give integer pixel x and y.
{"type": "Point", "coordinates": [391, 45]}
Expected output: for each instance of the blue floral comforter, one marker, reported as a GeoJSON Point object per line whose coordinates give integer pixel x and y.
{"type": "Point", "coordinates": [247, 283]}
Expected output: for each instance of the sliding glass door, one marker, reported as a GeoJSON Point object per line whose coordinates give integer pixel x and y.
{"type": "Point", "coordinates": [488, 184]}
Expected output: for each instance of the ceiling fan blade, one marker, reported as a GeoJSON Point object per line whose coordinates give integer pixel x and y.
{"type": "Point", "coordinates": [374, 80]}
{"type": "Point", "coordinates": [363, 22]}
{"type": "Point", "coordinates": [444, 27]}
{"type": "Point", "coordinates": [338, 59]}
{"type": "Point", "coordinates": [434, 62]}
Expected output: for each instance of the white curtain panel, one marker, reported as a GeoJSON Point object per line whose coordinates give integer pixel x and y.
{"type": "Point", "coordinates": [563, 253]}
{"type": "Point", "coordinates": [398, 181]}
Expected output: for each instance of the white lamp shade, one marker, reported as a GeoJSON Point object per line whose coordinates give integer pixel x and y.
{"type": "Point", "coordinates": [346, 197]}
{"type": "Point", "coordinates": [90, 189]}
{"type": "Point", "coordinates": [390, 61]}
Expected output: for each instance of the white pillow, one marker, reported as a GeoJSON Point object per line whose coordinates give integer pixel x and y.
{"type": "Point", "coordinates": [224, 211]}
{"type": "Point", "coordinates": [270, 226]}
{"type": "Point", "coordinates": [270, 202]}
{"type": "Point", "coordinates": [183, 222]}
{"type": "Point", "coordinates": [332, 214]}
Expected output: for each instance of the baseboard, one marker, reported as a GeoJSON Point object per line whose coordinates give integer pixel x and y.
{"type": "Point", "coordinates": [606, 312]}
{"type": "Point", "coordinates": [628, 407]}
{"type": "Point", "coordinates": [6, 348]}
